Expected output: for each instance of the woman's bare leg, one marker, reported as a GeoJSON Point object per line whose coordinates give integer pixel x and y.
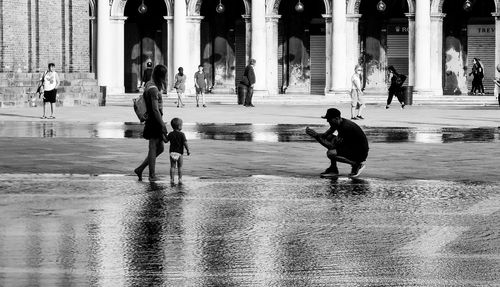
{"type": "Point", "coordinates": [155, 148]}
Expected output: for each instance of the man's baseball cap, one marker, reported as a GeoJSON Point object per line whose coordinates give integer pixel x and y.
{"type": "Point", "coordinates": [331, 113]}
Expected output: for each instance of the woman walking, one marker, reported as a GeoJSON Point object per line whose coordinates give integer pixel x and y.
{"type": "Point", "coordinates": [478, 75]}
{"type": "Point", "coordinates": [180, 86]}
{"type": "Point", "coordinates": [155, 129]}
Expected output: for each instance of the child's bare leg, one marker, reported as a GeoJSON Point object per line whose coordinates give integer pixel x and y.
{"type": "Point", "coordinates": [179, 169]}
{"type": "Point", "coordinates": [172, 170]}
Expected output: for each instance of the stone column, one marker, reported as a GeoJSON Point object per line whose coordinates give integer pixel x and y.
{"type": "Point", "coordinates": [259, 46]}
{"type": "Point", "coordinates": [248, 37]}
{"type": "Point", "coordinates": [172, 70]}
{"type": "Point", "coordinates": [193, 46]}
{"type": "Point", "coordinates": [328, 51]}
{"type": "Point", "coordinates": [102, 42]}
{"type": "Point", "coordinates": [110, 49]}
{"type": "Point", "coordinates": [437, 54]}
{"type": "Point", "coordinates": [339, 37]}
{"type": "Point", "coordinates": [353, 49]}
{"type": "Point", "coordinates": [117, 81]}
{"type": "Point", "coordinates": [411, 48]}
{"type": "Point", "coordinates": [422, 48]}
{"type": "Point", "coordinates": [497, 48]}
{"type": "Point", "coordinates": [272, 53]}
{"type": "Point", "coordinates": [181, 49]}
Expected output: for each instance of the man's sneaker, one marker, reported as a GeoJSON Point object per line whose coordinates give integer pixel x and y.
{"type": "Point", "coordinates": [330, 172]}
{"type": "Point", "coordinates": [357, 169]}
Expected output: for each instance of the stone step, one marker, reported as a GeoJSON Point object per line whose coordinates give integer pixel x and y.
{"type": "Point", "coordinates": [36, 76]}
{"type": "Point", "coordinates": [126, 99]}
{"type": "Point", "coordinates": [18, 89]}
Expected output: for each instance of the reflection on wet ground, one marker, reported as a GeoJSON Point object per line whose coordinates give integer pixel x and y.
{"type": "Point", "coordinates": [62, 230]}
{"type": "Point", "coordinates": [245, 132]}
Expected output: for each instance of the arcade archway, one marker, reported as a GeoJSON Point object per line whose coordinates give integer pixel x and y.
{"type": "Point", "coordinates": [468, 33]}
{"type": "Point", "coordinates": [384, 36]}
{"type": "Point", "coordinates": [223, 44]}
{"type": "Point", "coordinates": [302, 47]}
{"type": "Point", "coordinates": [145, 39]}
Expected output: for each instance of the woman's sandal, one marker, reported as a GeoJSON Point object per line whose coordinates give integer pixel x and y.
{"type": "Point", "coordinates": [51, 117]}
{"type": "Point", "coordinates": [43, 117]}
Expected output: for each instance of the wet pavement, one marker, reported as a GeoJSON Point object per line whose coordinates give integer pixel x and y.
{"type": "Point", "coordinates": [246, 132]}
{"type": "Point", "coordinates": [110, 230]}
{"type": "Point", "coordinates": [253, 211]}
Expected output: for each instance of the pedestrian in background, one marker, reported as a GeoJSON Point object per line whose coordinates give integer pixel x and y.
{"type": "Point", "coordinates": [396, 87]}
{"type": "Point", "coordinates": [154, 129]}
{"type": "Point", "coordinates": [249, 81]}
{"type": "Point", "coordinates": [146, 75]}
{"type": "Point", "coordinates": [357, 102]}
{"type": "Point", "coordinates": [200, 84]}
{"type": "Point", "coordinates": [178, 142]}
{"type": "Point", "coordinates": [478, 75]}
{"type": "Point", "coordinates": [180, 86]}
{"type": "Point", "coordinates": [51, 82]}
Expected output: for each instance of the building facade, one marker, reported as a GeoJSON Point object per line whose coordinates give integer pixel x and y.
{"type": "Point", "coordinates": [306, 46]}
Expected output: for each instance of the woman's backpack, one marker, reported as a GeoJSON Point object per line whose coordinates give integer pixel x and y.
{"type": "Point", "coordinates": [40, 85]}
{"type": "Point", "coordinates": [140, 106]}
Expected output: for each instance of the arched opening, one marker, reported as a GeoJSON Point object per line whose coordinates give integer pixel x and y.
{"type": "Point", "coordinates": [468, 34]}
{"type": "Point", "coordinates": [223, 47]}
{"type": "Point", "coordinates": [145, 39]}
{"type": "Point", "coordinates": [384, 39]}
{"type": "Point", "coordinates": [301, 47]}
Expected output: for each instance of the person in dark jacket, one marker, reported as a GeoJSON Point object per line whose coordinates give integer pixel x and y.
{"type": "Point", "coordinates": [155, 129]}
{"type": "Point", "coordinates": [146, 75]}
{"type": "Point", "coordinates": [478, 75]}
{"type": "Point", "coordinates": [350, 145]}
{"type": "Point", "coordinates": [396, 87]}
{"type": "Point", "coordinates": [249, 81]}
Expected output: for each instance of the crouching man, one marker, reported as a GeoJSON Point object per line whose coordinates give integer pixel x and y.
{"type": "Point", "coordinates": [350, 145]}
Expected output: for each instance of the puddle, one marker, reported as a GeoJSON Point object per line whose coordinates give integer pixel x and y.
{"type": "Point", "coordinates": [245, 132]}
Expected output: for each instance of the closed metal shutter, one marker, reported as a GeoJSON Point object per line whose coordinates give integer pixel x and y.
{"type": "Point", "coordinates": [481, 45]}
{"type": "Point", "coordinates": [397, 53]}
{"type": "Point", "coordinates": [240, 53]}
{"type": "Point", "coordinates": [397, 47]}
{"type": "Point", "coordinates": [318, 64]}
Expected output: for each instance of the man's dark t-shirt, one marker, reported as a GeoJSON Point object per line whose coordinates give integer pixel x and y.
{"type": "Point", "coordinates": [177, 140]}
{"type": "Point", "coordinates": [351, 141]}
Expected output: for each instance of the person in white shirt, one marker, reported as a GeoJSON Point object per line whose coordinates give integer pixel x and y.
{"type": "Point", "coordinates": [357, 102]}
{"type": "Point", "coordinates": [50, 81]}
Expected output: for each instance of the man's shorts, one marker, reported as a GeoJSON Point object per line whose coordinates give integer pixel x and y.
{"type": "Point", "coordinates": [50, 96]}
{"type": "Point", "coordinates": [352, 153]}
{"type": "Point", "coordinates": [356, 98]}
{"type": "Point", "coordinates": [199, 90]}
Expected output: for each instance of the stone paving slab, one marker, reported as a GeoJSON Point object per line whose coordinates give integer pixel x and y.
{"type": "Point", "coordinates": [60, 230]}
{"type": "Point", "coordinates": [211, 158]}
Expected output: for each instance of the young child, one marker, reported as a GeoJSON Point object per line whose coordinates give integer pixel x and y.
{"type": "Point", "coordinates": [178, 142]}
